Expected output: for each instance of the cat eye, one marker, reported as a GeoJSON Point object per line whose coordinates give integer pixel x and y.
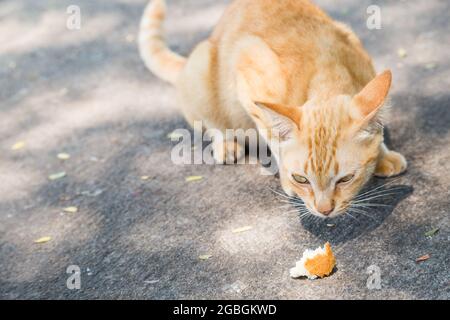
{"type": "Point", "coordinates": [300, 179]}
{"type": "Point", "coordinates": [346, 179]}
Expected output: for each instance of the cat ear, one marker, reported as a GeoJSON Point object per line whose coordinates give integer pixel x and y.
{"type": "Point", "coordinates": [370, 100]}
{"type": "Point", "coordinates": [281, 118]}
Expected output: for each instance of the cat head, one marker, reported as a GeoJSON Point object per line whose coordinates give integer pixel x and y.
{"type": "Point", "coordinates": [329, 149]}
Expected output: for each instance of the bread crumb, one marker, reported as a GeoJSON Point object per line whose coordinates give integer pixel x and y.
{"type": "Point", "coordinates": [315, 264]}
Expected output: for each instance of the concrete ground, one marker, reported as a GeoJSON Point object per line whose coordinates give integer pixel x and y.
{"type": "Point", "coordinates": [87, 93]}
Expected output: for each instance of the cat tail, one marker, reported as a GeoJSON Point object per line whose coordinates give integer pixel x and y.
{"type": "Point", "coordinates": [163, 62]}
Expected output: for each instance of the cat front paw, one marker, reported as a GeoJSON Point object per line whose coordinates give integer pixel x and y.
{"type": "Point", "coordinates": [227, 152]}
{"type": "Point", "coordinates": [391, 164]}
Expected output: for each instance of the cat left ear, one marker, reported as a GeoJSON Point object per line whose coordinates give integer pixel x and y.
{"type": "Point", "coordinates": [370, 100]}
{"type": "Point", "coordinates": [279, 117]}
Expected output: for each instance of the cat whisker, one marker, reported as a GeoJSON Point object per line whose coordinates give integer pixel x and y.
{"type": "Point", "coordinates": [290, 200]}
{"type": "Point", "coordinates": [364, 213]}
{"type": "Point", "coordinates": [366, 205]}
{"type": "Point", "coordinates": [298, 211]}
{"type": "Point", "coordinates": [293, 202]}
{"type": "Point", "coordinates": [302, 216]}
{"type": "Point", "coordinates": [383, 185]}
{"type": "Point", "coordinates": [374, 197]}
{"type": "Point", "coordinates": [287, 207]}
{"type": "Point", "coordinates": [378, 192]}
{"type": "Point", "coordinates": [347, 213]}
{"type": "Point", "coordinates": [387, 191]}
{"type": "Point", "coordinates": [317, 218]}
{"type": "Point", "coordinates": [283, 195]}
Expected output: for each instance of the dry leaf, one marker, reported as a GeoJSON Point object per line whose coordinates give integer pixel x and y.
{"type": "Point", "coordinates": [423, 258]}
{"type": "Point", "coordinates": [18, 145]}
{"type": "Point", "coordinates": [402, 53]}
{"type": "Point", "coordinates": [71, 209]}
{"type": "Point", "coordinates": [205, 257]}
{"type": "Point", "coordinates": [145, 178]}
{"type": "Point", "coordinates": [56, 176]}
{"type": "Point", "coordinates": [43, 240]}
{"type": "Point", "coordinates": [92, 194]}
{"type": "Point", "coordinates": [243, 229]}
{"type": "Point", "coordinates": [193, 178]}
{"type": "Point", "coordinates": [431, 232]}
{"type": "Point", "coordinates": [174, 136]}
{"type": "Point", "coordinates": [151, 281]}
{"type": "Point", "coordinates": [63, 156]}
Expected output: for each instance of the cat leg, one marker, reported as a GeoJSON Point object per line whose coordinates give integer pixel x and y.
{"type": "Point", "coordinates": [390, 163]}
{"type": "Point", "coordinates": [226, 150]}
{"type": "Point", "coordinates": [196, 94]}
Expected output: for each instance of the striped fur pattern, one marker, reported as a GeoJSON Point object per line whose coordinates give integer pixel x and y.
{"type": "Point", "coordinates": [157, 56]}
{"type": "Point", "coordinates": [285, 65]}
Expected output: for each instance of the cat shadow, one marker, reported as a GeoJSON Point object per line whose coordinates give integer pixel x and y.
{"type": "Point", "coordinates": [382, 202]}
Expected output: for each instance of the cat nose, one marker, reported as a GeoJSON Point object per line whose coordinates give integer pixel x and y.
{"type": "Point", "coordinates": [326, 212]}
{"type": "Point", "coordinates": [325, 208]}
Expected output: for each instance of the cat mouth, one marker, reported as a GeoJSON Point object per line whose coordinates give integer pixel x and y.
{"type": "Point", "coordinates": [333, 214]}
{"type": "Point", "coordinates": [316, 213]}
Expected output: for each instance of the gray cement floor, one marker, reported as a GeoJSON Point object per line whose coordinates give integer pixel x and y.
{"type": "Point", "coordinates": [88, 94]}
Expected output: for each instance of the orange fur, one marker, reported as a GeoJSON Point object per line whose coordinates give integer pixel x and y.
{"type": "Point", "coordinates": [306, 71]}
{"type": "Point", "coordinates": [158, 58]}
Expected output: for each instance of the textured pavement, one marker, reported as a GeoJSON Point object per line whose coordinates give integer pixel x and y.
{"type": "Point", "coordinates": [87, 93]}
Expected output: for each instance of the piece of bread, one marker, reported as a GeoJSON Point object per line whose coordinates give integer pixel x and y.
{"type": "Point", "coordinates": [315, 264]}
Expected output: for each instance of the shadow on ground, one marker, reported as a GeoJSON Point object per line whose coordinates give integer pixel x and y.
{"type": "Point", "coordinates": [361, 221]}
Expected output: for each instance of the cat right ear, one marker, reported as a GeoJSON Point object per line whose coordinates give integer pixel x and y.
{"type": "Point", "coordinates": [281, 118]}
{"type": "Point", "coordinates": [371, 99]}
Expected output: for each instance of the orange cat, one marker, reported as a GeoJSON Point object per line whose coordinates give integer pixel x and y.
{"type": "Point", "coordinates": [285, 65]}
